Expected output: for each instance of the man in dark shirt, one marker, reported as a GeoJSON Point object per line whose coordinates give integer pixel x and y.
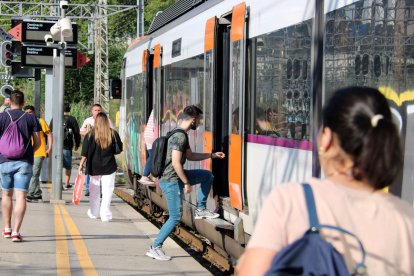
{"type": "Point", "coordinates": [175, 178]}
{"type": "Point", "coordinates": [71, 138]}
{"type": "Point", "coordinates": [16, 174]}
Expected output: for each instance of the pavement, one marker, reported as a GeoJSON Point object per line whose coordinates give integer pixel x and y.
{"type": "Point", "coordinates": [60, 239]}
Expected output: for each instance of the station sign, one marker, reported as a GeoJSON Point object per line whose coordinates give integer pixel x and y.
{"type": "Point", "coordinates": [42, 57]}
{"type": "Point", "coordinates": [34, 32]}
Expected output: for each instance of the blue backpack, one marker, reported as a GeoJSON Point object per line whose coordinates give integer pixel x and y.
{"type": "Point", "coordinates": [12, 144]}
{"type": "Point", "coordinates": [311, 255]}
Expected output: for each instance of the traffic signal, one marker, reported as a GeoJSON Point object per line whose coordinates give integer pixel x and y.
{"type": "Point", "coordinates": [116, 88]}
{"type": "Point", "coordinates": [6, 54]}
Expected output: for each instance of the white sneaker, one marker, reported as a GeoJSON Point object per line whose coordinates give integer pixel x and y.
{"type": "Point", "coordinates": [205, 213]}
{"type": "Point", "coordinates": [146, 181]}
{"type": "Point", "coordinates": [90, 214]}
{"type": "Point", "coordinates": [157, 253]}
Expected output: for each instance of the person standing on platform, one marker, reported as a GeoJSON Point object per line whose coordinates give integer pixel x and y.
{"type": "Point", "coordinates": [16, 173]}
{"type": "Point", "coordinates": [71, 138]}
{"type": "Point", "coordinates": [86, 127]}
{"type": "Point", "coordinates": [35, 193]}
{"type": "Point", "coordinates": [98, 153]}
{"type": "Point", "coordinates": [149, 139]}
{"type": "Point", "coordinates": [360, 154]}
{"type": "Point", "coordinates": [6, 105]}
{"type": "Point", "coordinates": [175, 178]}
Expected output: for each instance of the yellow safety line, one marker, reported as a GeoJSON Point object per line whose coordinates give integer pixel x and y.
{"type": "Point", "coordinates": [80, 247]}
{"type": "Point", "coordinates": [62, 254]}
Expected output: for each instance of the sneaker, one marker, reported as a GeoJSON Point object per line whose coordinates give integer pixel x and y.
{"type": "Point", "coordinates": [64, 188]}
{"type": "Point", "coordinates": [90, 214]}
{"type": "Point", "coordinates": [157, 253]}
{"type": "Point", "coordinates": [204, 213]}
{"type": "Point", "coordinates": [146, 181]}
{"type": "Point", "coordinates": [16, 237]}
{"type": "Point", "coordinates": [7, 234]}
{"type": "Point", "coordinates": [68, 186]}
{"type": "Point", "coordinates": [33, 200]}
{"type": "Point", "coordinates": [86, 193]}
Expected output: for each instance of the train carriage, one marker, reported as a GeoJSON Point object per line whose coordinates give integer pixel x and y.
{"type": "Point", "coordinates": [260, 71]}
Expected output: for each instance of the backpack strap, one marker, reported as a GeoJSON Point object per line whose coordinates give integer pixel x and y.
{"type": "Point", "coordinates": [175, 130]}
{"type": "Point", "coordinates": [311, 207]}
{"type": "Point", "coordinates": [360, 267]}
{"type": "Point", "coordinates": [11, 119]}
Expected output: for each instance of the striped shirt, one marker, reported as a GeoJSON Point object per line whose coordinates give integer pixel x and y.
{"type": "Point", "coordinates": [149, 131]}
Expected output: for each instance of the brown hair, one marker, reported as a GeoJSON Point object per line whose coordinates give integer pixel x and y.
{"type": "Point", "coordinates": [102, 131]}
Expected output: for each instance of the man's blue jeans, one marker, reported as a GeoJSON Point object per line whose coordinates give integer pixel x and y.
{"type": "Point", "coordinates": [174, 194]}
{"type": "Point", "coordinates": [148, 163]}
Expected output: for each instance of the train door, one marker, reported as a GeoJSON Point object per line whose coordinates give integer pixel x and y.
{"type": "Point", "coordinates": [156, 87]}
{"type": "Point", "coordinates": [225, 49]}
{"type": "Point", "coordinates": [147, 70]}
{"type": "Point", "coordinates": [236, 104]}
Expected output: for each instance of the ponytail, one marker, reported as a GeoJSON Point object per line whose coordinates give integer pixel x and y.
{"type": "Point", "coordinates": [361, 118]}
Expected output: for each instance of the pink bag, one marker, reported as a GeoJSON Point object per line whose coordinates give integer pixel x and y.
{"type": "Point", "coordinates": [77, 190]}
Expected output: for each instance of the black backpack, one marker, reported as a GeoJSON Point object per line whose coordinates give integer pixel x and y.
{"type": "Point", "coordinates": [311, 255]}
{"type": "Point", "coordinates": [159, 152]}
{"type": "Point", "coordinates": [67, 132]}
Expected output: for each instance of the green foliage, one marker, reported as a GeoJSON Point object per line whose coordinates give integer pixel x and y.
{"type": "Point", "coordinates": [80, 111]}
{"type": "Point", "coordinates": [79, 83]}
{"type": "Point", "coordinates": [152, 7]}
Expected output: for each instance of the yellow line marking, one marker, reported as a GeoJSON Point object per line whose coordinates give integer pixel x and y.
{"type": "Point", "coordinates": [62, 254]}
{"type": "Point", "coordinates": [80, 247]}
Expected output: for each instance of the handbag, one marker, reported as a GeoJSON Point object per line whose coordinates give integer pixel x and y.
{"type": "Point", "coordinates": [77, 190]}
{"type": "Point", "coordinates": [115, 145]}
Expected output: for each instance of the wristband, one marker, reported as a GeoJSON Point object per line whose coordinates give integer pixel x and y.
{"type": "Point", "coordinates": [211, 155]}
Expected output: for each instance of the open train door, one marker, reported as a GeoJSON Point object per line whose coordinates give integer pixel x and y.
{"type": "Point", "coordinates": [236, 104]}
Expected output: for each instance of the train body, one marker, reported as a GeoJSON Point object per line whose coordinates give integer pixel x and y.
{"type": "Point", "coordinates": [260, 70]}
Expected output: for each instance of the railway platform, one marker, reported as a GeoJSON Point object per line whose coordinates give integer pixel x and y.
{"type": "Point", "coordinates": [60, 239]}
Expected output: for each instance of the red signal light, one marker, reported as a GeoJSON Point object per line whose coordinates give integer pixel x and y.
{"type": "Point", "coordinates": [6, 54]}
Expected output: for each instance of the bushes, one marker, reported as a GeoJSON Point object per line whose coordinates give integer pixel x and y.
{"type": "Point", "coordinates": [80, 111]}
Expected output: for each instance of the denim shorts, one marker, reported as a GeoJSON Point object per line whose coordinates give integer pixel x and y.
{"type": "Point", "coordinates": [67, 159]}
{"type": "Point", "coordinates": [15, 175]}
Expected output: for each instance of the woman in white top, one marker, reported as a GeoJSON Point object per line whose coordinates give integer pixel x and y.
{"type": "Point", "coordinates": [360, 154]}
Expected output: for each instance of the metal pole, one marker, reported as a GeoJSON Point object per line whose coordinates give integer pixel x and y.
{"type": "Point", "coordinates": [58, 121]}
{"type": "Point", "coordinates": [140, 18]}
{"type": "Point", "coordinates": [38, 77]}
{"type": "Point", "coordinates": [317, 84]}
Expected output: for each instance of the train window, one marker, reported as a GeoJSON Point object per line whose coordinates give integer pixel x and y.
{"type": "Point", "coordinates": [289, 69]}
{"type": "Point", "coordinates": [305, 70]}
{"type": "Point", "coordinates": [387, 64]}
{"type": "Point", "coordinates": [296, 68]}
{"type": "Point", "coordinates": [357, 65]}
{"type": "Point", "coordinates": [365, 64]}
{"type": "Point", "coordinates": [377, 65]}
{"type": "Point", "coordinates": [281, 77]}
{"type": "Point", "coordinates": [176, 48]}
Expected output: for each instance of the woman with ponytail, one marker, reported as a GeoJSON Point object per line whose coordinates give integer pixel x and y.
{"type": "Point", "coordinates": [98, 152]}
{"type": "Point", "coordinates": [360, 154]}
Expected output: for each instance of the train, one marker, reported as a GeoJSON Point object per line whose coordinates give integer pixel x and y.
{"type": "Point", "coordinates": [261, 70]}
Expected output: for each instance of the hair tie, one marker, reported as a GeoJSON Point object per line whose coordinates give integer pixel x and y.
{"type": "Point", "coordinates": [375, 119]}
